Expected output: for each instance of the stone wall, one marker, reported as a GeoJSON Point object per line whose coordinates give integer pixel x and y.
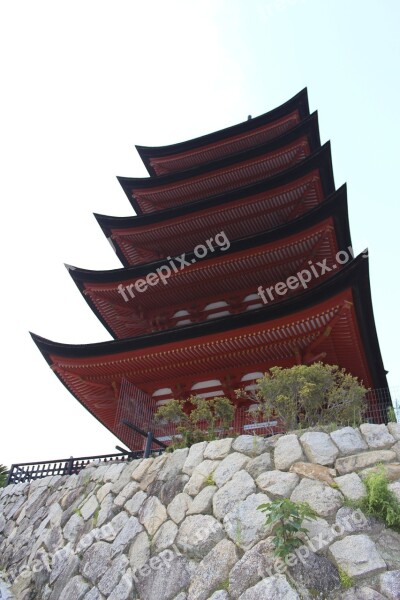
{"type": "Point", "coordinates": [185, 525]}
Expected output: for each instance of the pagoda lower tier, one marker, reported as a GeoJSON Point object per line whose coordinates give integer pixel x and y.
{"type": "Point", "coordinates": [332, 322]}
{"type": "Point", "coordinates": [151, 194]}
{"type": "Point", "coordinates": [137, 300]}
{"type": "Point", "coordinates": [241, 213]}
{"type": "Point", "coordinates": [225, 142]}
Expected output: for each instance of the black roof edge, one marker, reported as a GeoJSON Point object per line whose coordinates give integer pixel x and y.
{"type": "Point", "coordinates": [335, 205]}
{"type": "Point", "coordinates": [355, 275]}
{"type": "Point", "coordinates": [300, 101]}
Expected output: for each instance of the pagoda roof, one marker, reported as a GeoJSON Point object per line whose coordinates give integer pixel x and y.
{"type": "Point", "coordinates": [233, 274]}
{"type": "Point", "coordinates": [150, 194]}
{"type": "Point", "coordinates": [241, 213]}
{"type": "Point", "coordinates": [333, 320]}
{"type": "Point", "coordinates": [185, 155]}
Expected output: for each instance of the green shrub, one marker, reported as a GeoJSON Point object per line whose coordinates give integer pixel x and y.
{"type": "Point", "coordinates": [214, 414]}
{"type": "Point", "coordinates": [305, 396]}
{"type": "Point", "coordinates": [286, 517]}
{"type": "Point", "coordinates": [3, 476]}
{"type": "Point", "coordinates": [380, 501]}
{"type": "Point", "coordinates": [345, 579]}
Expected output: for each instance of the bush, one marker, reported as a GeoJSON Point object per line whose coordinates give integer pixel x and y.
{"type": "Point", "coordinates": [380, 501]}
{"type": "Point", "coordinates": [286, 517]}
{"type": "Point", "coordinates": [305, 396]}
{"type": "Point", "coordinates": [196, 419]}
{"type": "Point", "coordinates": [3, 476]}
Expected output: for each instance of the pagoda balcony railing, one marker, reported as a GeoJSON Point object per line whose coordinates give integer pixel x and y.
{"type": "Point", "coordinates": [30, 471]}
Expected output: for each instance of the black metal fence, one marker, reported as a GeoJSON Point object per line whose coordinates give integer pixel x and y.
{"type": "Point", "coordinates": [30, 471]}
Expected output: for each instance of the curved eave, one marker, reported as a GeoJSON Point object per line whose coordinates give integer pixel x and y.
{"type": "Point", "coordinates": [321, 160]}
{"type": "Point", "coordinates": [309, 128]}
{"type": "Point", "coordinates": [335, 205]}
{"type": "Point", "coordinates": [298, 102]}
{"type": "Point", "coordinates": [355, 275]}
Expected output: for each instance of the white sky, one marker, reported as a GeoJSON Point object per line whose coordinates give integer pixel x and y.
{"type": "Point", "coordinates": [82, 82]}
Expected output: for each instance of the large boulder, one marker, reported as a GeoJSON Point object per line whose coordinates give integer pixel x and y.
{"type": "Point", "coordinates": [357, 556]}
{"type": "Point", "coordinates": [287, 451]}
{"type": "Point", "coordinates": [213, 570]}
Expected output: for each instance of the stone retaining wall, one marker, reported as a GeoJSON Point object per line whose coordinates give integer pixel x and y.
{"type": "Point", "coordinates": [185, 525]}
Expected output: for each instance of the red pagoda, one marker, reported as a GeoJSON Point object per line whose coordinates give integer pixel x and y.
{"type": "Point", "coordinates": [206, 301]}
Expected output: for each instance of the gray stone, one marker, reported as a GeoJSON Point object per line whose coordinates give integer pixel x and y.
{"type": "Point", "coordinates": [252, 445]}
{"type": "Point", "coordinates": [152, 472]}
{"type": "Point", "coordinates": [322, 498]}
{"type": "Point", "coordinates": [355, 521]}
{"type": "Point", "coordinates": [165, 536]}
{"type": "Point", "coordinates": [124, 589]}
{"type": "Point", "coordinates": [218, 449]}
{"type": "Point", "coordinates": [107, 510]}
{"type": "Point", "coordinates": [134, 504]}
{"type": "Point", "coordinates": [244, 524]}
{"type": "Point", "coordinates": [127, 534]}
{"type": "Point", "coordinates": [361, 593]}
{"type": "Point", "coordinates": [127, 492]}
{"type": "Point", "coordinates": [389, 584]}
{"type": "Point", "coordinates": [319, 448]}
{"type": "Point", "coordinates": [152, 514]}
{"type": "Point", "coordinates": [396, 448]}
{"type": "Point", "coordinates": [76, 588]}
{"type": "Point", "coordinates": [319, 534]}
{"type": "Point", "coordinates": [94, 594]}
{"type": "Point", "coordinates": [174, 464]}
{"type": "Point", "coordinates": [388, 546]}
{"type": "Point", "coordinates": [194, 458]}
{"type": "Point", "coordinates": [271, 588]}
{"type": "Point", "coordinates": [103, 491]}
{"type": "Point", "coordinates": [113, 575]}
{"type": "Point", "coordinates": [287, 451]}
{"type": "Point", "coordinates": [395, 488]}
{"type": "Point", "coordinates": [377, 436]}
{"type": "Point", "coordinates": [125, 477]}
{"type": "Point", "coordinates": [278, 484]}
{"type": "Point", "coordinates": [139, 551]}
{"type": "Point", "coordinates": [316, 573]}
{"type": "Point", "coordinates": [259, 465]}
{"type": "Point", "coordinates": [172, 487]}
{"type": "Point", "coordinates": [53, 540]}
{"type": "Point", "coordinates": [348, 464]}
{"type": "Point", "coordinates": [179, 506]}
{"type": "Point", "coordinates": [199, 477]}
{"type": "Point", "coordinates": [71, 568]}
{"type": "Point", "coordinates": [213, 570]}
{"type": "Point", "coordinates": [198, 534]}
{"type": "Point", "coordinates": [202, 503]}
{"type": "Point", "coordinates": [357, 556]}
{"type": "Point", "coordinates": [119, 522]}
{"type": "Point", "coordinates": [351, 486]}
{"type": "Point", "coordinates": [228, 467]}
{"type": "Point", "coordinates": [349, 440]}
{"type": "Point", "coordinates": [114, 472]}
{"type": "Point", "coordinates": [238, 488]}
{"type": "Point", "coordinates": [394, 430]}
{"type": "Point", "coordinates": [253, 565]}
{"type": "Point", "coordinates": [74, 528]}
{"type": "Point", "coordinates": [219, 595]}
{"type": "Point", "coordinates": [141, 469]}
{"type": "Point", "coordinates": [167, 580]}
{"type": "Point", "coordinates": [96, 561]}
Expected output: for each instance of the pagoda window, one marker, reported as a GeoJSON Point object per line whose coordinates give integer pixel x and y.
{"type": "Point", "coordinates": [251, 378]}
{"type": "Point", "coordinates": [213, 306]}
{"type": "Point", "coordinates": [182, 313]}
{"type": "Point", "coordinates": [251, 305]}
{"type": "Point", "coordinates": [210, 383]}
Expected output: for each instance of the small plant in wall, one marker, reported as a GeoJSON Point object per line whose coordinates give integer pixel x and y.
{"type": "Point", "coordinates": [286, 518]}
{"type": "Point", "coordinates": [3, 476]}
{"type": "Point", "coordinates": [380, 501]}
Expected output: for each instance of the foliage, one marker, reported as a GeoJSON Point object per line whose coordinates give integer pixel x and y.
{"type": "Point", "coordinates": [345, 579]}
{"type": "Point", "coordinates": [3, 476]}
{"type": "Point", "coordinates": [305, 396]}
{"type": "Point", "coordinates": [391, 415]}
{"type": "Point", "coordinates": [380, 501]}
{"type": "Point", "coordinates": [286, 517]}
{"type": "Point", "coordinates": [197, 419]}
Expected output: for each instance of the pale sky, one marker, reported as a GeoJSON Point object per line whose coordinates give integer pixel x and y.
{"type": "Point", "coordinates": [82, 82]}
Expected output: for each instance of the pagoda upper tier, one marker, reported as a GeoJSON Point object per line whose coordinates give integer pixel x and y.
{"type": "Point", "coordinates": [242, 212]}
{"type": "Point", "coordinates": [222, 283]}
{"type": "Point", "coordinates": [332, 322]}
{"type": "Point", "coordinates": [151, 194]}
{"type": "Point", "coordinates": [223, 143]}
